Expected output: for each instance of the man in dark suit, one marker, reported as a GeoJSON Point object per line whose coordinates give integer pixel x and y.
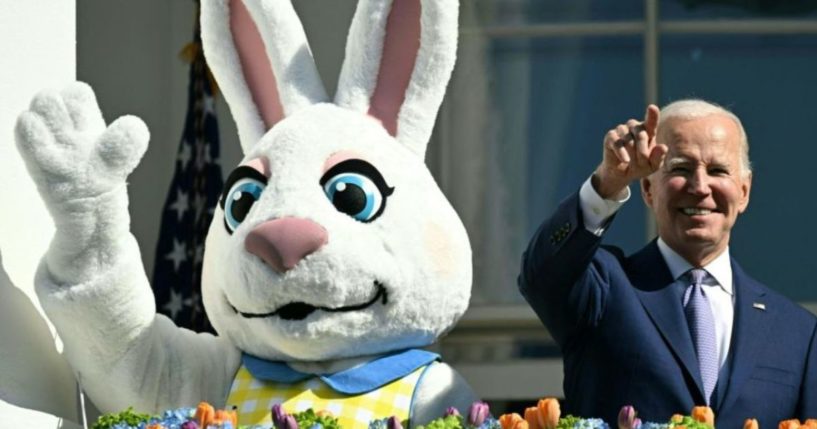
{"type": "Point", "coordinates": [679, 323]}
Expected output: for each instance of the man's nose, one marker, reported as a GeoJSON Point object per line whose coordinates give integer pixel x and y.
{"type": "Point", "coordinates": [698, 183]}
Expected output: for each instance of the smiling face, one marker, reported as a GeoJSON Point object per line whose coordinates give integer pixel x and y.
{"type": "Point", "coordinates": [702, 187]}
{"type": "Point", "coordinates": [333, 244]}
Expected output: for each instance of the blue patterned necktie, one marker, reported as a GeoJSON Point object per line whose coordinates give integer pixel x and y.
{"type": "Point", "coordinates": [702, 328]}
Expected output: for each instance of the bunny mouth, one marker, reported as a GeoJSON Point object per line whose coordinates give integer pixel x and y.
{"type": "Point", "coordinates": [300, 310]}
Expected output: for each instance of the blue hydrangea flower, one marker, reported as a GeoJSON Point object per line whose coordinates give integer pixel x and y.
{"type": "Point", "coordinates": [653, 425]}
{"type": "Point", "coordinates": [591, 424]}
{"type": "Point", "coordinates": [379, 423]}
{"type": "Point", "coordinates": [490, 423]}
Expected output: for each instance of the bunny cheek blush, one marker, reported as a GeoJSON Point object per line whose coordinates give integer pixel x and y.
{"type": "Point", "coordinates": [332, 259]}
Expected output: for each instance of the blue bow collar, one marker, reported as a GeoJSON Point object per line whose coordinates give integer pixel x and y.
{"type": "Point", "coordinates": [353, 381]}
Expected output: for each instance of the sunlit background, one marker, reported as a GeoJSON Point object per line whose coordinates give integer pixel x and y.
{"type": "Point", "coordinates": [537, 84]}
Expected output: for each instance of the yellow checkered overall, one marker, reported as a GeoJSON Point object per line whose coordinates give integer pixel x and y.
{"type": "Point", "coordinates": [254, 399]}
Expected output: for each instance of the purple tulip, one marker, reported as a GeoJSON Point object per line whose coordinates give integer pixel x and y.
{"type": "Point", "coordinates": [281, 419]}
{"type": "Point", "coordinates": [290, 423]}
{"type": "Point", "coordinates": [190, 425]}
{"type": "Point", "coordinates": [626, 417]}
{"type": "Point", "coordinates": [478, 413]}
{"type": "Point", "coordinates": [452, 411]}
{"type": "Point", "coordinates": [278, 415]}
{"type": "Point", "coordinates": [393, 423]}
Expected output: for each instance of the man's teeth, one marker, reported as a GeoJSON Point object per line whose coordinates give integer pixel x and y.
{"type": "Point", "coordinates": [696, 211]}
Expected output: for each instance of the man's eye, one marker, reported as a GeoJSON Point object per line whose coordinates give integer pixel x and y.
{"type": "Point", "coordinates": [719, 172]}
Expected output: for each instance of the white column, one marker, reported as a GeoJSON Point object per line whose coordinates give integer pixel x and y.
{"type": "Point", "coordinates": [37, 44]}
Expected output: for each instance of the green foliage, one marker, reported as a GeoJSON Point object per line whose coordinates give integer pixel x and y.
{"type": "Point", "coordinates": [308, 418]}
{"type": "Point", "coordinates": [450, 422]}
{"type": "Point", "coordinates": [128, 417]}
{"type": "Point", "coordinates": [689, 423]}
{"type": "Point", "coordinates": [567, 422]}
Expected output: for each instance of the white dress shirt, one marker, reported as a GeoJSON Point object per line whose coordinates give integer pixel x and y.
{"type": "Point", "coordinates": [718, 286]}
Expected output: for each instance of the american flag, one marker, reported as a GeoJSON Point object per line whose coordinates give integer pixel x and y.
{"type": "Point", "coordinates": [189, 206]}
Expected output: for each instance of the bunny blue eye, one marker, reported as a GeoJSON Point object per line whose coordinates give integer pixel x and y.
{"type": "Point", "coordinates": [357, 189]}
{"type": "Point", "coordinates": [242, 190]}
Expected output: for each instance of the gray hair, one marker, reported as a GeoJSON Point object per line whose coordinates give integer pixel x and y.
{"type": "Point", "coordinates": [693, 108]}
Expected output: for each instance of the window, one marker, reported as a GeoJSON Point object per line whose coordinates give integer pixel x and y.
{"type": "Point", "coordinates": [537, 85]}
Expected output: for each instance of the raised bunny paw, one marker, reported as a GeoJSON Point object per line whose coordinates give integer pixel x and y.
{"type": "Point", "coordinates": [69, 151]}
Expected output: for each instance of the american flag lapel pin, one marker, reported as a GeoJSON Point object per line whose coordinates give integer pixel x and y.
{"type": "Point", "coordinates": [759, 306]}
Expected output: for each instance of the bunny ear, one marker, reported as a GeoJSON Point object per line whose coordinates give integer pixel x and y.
{"type": "Point", "coordinates": [258, 52]}
{"type": "Point", "coordinates": [399, 58]}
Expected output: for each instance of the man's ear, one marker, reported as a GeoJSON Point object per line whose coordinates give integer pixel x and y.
{"type": "Point", "coordinates": [646, 190]}
{"type": "Point", "coordinates": [746, 188]}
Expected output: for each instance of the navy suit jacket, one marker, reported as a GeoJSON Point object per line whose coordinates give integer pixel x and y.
{"type": "Point", "coordinates": [620, 324]}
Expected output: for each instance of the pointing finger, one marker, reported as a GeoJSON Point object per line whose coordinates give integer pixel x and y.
{"type": "Point", "coordinates": [651, 119]}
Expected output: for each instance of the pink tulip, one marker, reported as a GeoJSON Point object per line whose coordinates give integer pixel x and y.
{"type": "Point", "coordinates": [626, 417]}
{"type": "Point", "coordinates": [452, 411]}
{"type": "Point", "coordinates": [478, 413]}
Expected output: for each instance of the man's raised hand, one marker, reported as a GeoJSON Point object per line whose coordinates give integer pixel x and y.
{"type": "Point", "coordinates": [630, 153]}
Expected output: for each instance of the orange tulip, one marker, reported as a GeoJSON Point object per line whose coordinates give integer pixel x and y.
{"type": "Point", "coordinates": [549, 413]}
{"type": "Point", "coordinates": [810, 424]}
{"type": "Point", "coordinates": [676, 418]}
{"type": "Point", "coordinates": [204, 414]}
{"type": "Point", "coordinates": [532, 417]}
{"type": "Point", "coordinates": [154, 426]}
{"type": "Point", "coordinates": [704, 415]}
{"type": "Point", "coordinates": [750, 424]}
{"type": "Point", "coordinates": [223, 416]}
{"type": "Point", "coordinates": [789, 424]}
{"type": "Point", "coordinates": [513, 421]}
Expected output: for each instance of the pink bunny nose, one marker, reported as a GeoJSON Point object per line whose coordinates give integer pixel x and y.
{"type": "Point", "coordinates": [282, 243]}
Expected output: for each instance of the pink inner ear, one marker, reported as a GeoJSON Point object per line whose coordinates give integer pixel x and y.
{"type": "Point", "coordinates": [255, 64]}
{"type": "Point", "coordinates": [259, 164]}
{"type": "Point", "coordinates": [400, 47]}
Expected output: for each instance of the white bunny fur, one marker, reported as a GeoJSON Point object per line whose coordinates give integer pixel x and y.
{"type": "Point", "coordinates": [94, 289]}
{"type": "Point", "coordinates": [418, 248]}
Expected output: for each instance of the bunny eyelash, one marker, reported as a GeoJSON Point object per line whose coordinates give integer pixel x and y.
{"type": "Point", "coordinates": [360, 202]}
{"type": "Point", "coordinates": [247, 180]}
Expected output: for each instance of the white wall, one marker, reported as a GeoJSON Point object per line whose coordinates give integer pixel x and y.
{"type": "Point", "coordinates": [128, 52]}
{"type": "Point", "coordinates": [37, 46]}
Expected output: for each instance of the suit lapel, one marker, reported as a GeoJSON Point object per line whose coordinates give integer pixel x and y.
{"type": "Point", "coordinates": [749, 331]}
{"type": "Point", "coordinates": [661, 297]}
